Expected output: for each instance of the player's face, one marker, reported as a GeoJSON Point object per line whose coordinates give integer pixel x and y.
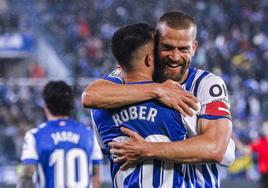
{"type": "Point", "coordinates": [176, 48]}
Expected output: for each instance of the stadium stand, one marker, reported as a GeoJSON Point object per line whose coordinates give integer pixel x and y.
{"type": "Point", "coordinates": [233, 43]}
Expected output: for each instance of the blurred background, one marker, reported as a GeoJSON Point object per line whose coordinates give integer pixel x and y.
{"type": "Point", "coordinates": [42, 40]}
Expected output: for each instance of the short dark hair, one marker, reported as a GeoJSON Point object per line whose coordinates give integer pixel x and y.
{"type": "Point", "coordinates": [128, 39]}
{"type": "Point", "coordinates": [178, 20]}
{"type": "Point", "coordinates": [58, 97]}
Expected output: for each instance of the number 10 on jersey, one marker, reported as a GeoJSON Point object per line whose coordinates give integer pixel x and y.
{"type": "Point", "coordinates": [71, 168]}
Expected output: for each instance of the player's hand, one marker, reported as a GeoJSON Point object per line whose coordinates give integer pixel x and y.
{"type": "Point", "coordinates": [129, 152]}
{"type": "Point", "coordinates": [171, 94]}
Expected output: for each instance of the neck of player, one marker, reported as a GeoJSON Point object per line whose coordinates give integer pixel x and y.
{"type": "Point", "coordinates": [184, 77]}
{"type": "Point", "coordinates": [50, 116]}
{"type": "Point", "coordinates": [137, 76]}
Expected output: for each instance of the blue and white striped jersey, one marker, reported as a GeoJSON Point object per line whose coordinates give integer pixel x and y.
{"type": "Point", "coordinates": [64, 152]}
{"type": "Point", "coordinates": [211, 93]}
{"type": "Point", "coordinates": [154, 122]}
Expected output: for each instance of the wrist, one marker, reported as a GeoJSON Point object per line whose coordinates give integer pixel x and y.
{"type": "Point", "coordinates": [148, 151]}
{"type": "Point", "coordinates": [156, 90]}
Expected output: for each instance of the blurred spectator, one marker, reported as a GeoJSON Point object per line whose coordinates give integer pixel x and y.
{"type": "Point", "coordinates": [36, 71]}
{"type": "Point", "coordinates": [259, 147]}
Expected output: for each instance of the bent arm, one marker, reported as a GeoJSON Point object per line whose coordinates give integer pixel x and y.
{"type": "Point", "coordinates": [209, 146]}
{"type": "Point", "coordinates": [25, 180]}
{"type": "Point", "coordinates": [107, 95]}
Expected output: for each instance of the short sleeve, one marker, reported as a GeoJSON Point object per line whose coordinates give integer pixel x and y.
{"type": "Point", "coordinates": [29, 152]}
{"type": "Point", "coordinates": [115, 76]}
{"type": "Point", "coordinates": [213, 96]}
{"type": "Point", "coordinates": [96, 153]}
{"type": "Point", "coordinates": [229, 156]}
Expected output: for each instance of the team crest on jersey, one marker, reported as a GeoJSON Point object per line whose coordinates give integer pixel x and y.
{"type": "Point", "coordinates": [116, 73]}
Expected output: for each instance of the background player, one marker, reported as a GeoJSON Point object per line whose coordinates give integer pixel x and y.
{"type": "Point", "coordinates": [176, 43]}
{"type": "Point", "coordinates": [259, 147]}
{"type": "Point", "coordinates": [62, 151]}
{"type": "Point", "coordinates": [133, 47]}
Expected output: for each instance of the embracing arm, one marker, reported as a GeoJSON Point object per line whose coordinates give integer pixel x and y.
{"type": "Point", "coordinates": [107, 95]}
{"type": "Point", "coordinates": [209, 146]}
{"type": "Point", "coordinates": [25, 180]}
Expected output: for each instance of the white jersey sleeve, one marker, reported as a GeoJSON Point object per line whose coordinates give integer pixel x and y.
{"type": "Point", "coordinates": [213, 96]}
{"type": "Point", "coordinates": [94, 126]}
{"type": "Point", "coordinates": [96, 153]}
{"type": "Point", "coordinates": [229, 156]}
{"type": "Point", "coordinates": [29, 151]}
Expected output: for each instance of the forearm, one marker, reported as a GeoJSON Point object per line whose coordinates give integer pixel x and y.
{"type": "Point", "coordinates": [25, 182]}
{"type": "Point", "coordinates": [209, 146]}
{"type": "Point", "coordinates": [96, 177]}
{"type": "Point", "coordinates": [193, 150]}
{"type": "Point", "coordinates": [108, 95]}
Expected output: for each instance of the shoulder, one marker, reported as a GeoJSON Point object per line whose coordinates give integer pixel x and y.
{"type": "Point", "coordinates": [36, 130]}
{"type": "Point", "coordinates": [210, 88]}
{"type": "Point", "coordinates": [206, 77]}
{"type": "Point", "coordinates": [115, 76]}
{"type": "Point", "coordinates": [83, 128]}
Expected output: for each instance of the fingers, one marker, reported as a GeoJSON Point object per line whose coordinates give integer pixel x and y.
{"type": "Point", "coordinates": [191, 96]}
{"type": "Point", "coordinates": [115, 145]}
{"type": "Point", "coordinates": [117, 152]}
{"type": "Point", "coordinates": [185, 110]}
{"type": "Point", "coordinates": [125, 166]}
{"type": "Point", "coordinates": [179, 109]}
{"type": "Point", "coordinates": [191, 104]}
{"type": "Point", "coordinates": [121, 159]}
{"type": "Point", "coordinates": [130, 133]}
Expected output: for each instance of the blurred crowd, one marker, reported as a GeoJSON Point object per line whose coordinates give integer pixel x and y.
{"type": "Point", "coordinates": [233, 43]}
{"type": "Point", "coordinates": [232, 35]}
{"type": "Point", "coordinates": [22, 108]}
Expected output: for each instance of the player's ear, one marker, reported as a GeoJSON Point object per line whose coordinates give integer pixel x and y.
{"type": "Point", "coordinates": [195, 45]}
{"type": "Point", "coordinates": [149, 59]}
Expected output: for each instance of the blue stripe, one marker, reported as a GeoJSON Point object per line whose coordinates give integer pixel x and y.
{"type": "Point", "coordinates": [215, 174]}
{"type": "Point", "coordinates": [190, 79]}
{"type": "Point", "coordinates": [96, 162]}
{"type": "Point", "coordinates": [133, 179]}
{"type": "Point", "coordinates": [187, 178]}
{"type": "Point", "coordinates": [178, 176]}
{"type": "Point", "coordinates": [116, 80]}
{"type": "Point", "coordinates": [192, 175]}
{"type": "Point", "coordinates": [197, 183]}
{"type": "Point", "coordinates": [207, 178]}
{"type": "Point", "coordinates": [156, 173]}
{"type": "Point", "coordinates": [213, 117]}
{"type": "Point", "coordinates": [198, 81]}
{"type": "Point", "coordinates": [29, 161]}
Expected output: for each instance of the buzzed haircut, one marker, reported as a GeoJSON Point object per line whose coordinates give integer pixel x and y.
{"type": "Point", "coordinates": [58, 97]}
{"type": "Point", "coordinates": [127, 40]}
{"type": "Point", "coordinates": [178, 20]}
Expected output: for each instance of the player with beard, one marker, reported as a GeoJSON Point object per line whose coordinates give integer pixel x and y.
{"type": "Point", "coordinates": [209, 131]}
